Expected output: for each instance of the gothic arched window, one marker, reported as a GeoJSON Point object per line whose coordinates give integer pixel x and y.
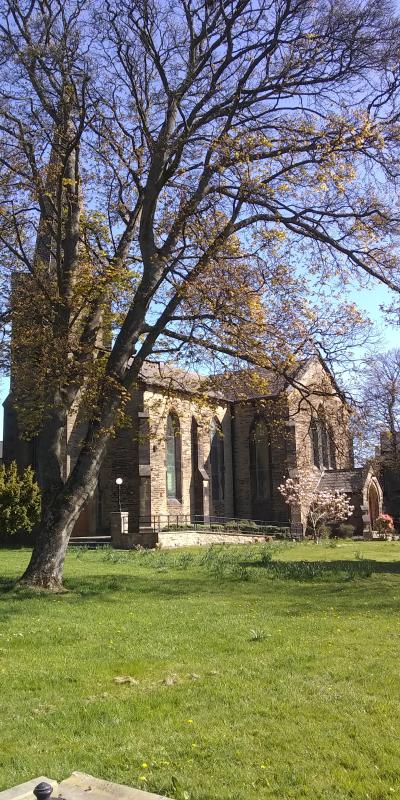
{"type": "Point", "coordinates": [315, 443]}
{"type": "Point", "coordinates": [332, 449]}
{"type": "Point", "coordinates": [260, 460]}
{"type": "Point", "coordinates": [173, 456]}
{"type": "Point", "coordinates": [217, 462]}
{"type": "Point", "coordinates": [322, 443]}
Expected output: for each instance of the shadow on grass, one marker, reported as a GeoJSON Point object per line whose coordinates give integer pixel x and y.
{"type": "Point", "coordinates": [282, 595]}
{"type": "Point", "coordinates": [309, 570]}
{"type": "Point", "coordinates": [6, 585]}
{"type": "Point", "coordinates": [287, 594]}
{"type": "Point", "coordinates": [164, 580]}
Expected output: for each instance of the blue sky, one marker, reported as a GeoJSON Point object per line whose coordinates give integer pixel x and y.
{"type": "Point", "coordinates": [369, 300]}
{"type": "Point", "coordinates": [4, 386]}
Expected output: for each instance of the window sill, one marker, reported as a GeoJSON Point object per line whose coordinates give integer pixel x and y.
{"type": "Point", "coordinates": [174, 502]}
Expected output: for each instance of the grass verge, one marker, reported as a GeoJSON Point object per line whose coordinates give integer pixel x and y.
{"type": "Point", "coordinates": [256, 671]}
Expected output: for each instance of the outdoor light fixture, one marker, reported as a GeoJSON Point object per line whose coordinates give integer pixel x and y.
{"type": "Point", "coordinates": [119, 483]}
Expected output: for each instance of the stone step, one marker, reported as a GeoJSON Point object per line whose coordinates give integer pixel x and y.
{"type": "Point", "coordinates": [89, 541]}
{"type": "Point", "coordinates": [25, 790]}
{"type": "Point", "coordinates": [80, 786]}
{"type": "Point", "coordinates": [85, 787]}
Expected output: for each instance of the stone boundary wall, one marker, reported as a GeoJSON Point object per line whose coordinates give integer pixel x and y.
{"type": "Point", "coordinates": [169, 539]}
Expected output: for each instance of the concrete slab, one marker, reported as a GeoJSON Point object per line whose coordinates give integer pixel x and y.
{"type": "Point", "coordinates": [81, 786]}
{"type": "Point", "coordinates": [25, 790]}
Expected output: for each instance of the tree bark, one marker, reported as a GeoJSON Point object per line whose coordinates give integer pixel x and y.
{"type": "Point", "coordinates": [64, 500]}
{"type": "Point", "coordinates": [59, 515]}
{"type": "Point", "coordinates": [45, 568]}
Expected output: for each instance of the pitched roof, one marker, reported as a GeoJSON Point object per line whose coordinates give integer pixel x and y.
{"type": "Point", "coordinates": [342, 480]}
{"type": "Point", "coordinates": [245, 384]}
{"type": "Point", "coordinates": [249, 383]}
{"type": "Point", "coordinates": [170, 377]}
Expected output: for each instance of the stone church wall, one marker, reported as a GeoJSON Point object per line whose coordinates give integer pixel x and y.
{"type": "Point", "coordinates": [159, 405]}
{"type": "Point", "coordinates": [244, 416]}
{"type": "Point", "coordinates": [302, 407]}
{"type": "Point", "coordinates": [137, 454]}
{"type": "Point", "coordinates": [121, 461]}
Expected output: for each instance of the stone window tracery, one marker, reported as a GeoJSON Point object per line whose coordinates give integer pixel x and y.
{"type": "Point", "coordinates": [322, 443]}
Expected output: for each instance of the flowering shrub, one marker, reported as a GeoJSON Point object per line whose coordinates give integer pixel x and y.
{"type": "Point", "coordinates": [384, 524]}
{"type": "Point", "coordinates": [323, 507]}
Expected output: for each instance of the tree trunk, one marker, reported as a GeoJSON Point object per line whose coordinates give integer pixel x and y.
{"type": "Point", "coordinates": [63, 502]}
{"type": "Point", "coordinates": [59, 515]}
{"type": "Point", "coordinates": [45, 568]}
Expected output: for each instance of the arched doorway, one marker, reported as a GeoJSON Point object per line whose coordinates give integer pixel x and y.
{"type": "Point", "coordinates": [373, 504]}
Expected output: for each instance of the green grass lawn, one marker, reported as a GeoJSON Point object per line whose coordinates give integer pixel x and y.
{"type": "Point", "coordinates": [255, 679]}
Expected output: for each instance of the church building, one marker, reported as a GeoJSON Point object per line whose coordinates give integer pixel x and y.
{"type": "Point", "coordinates": [190, 454]}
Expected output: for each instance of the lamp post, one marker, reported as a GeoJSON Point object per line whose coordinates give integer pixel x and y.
{"type": "Point", "coordinates": [119, 483]}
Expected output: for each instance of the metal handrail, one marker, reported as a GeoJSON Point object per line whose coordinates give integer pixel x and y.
{"type": "Point", "coordinates": [172, 522]}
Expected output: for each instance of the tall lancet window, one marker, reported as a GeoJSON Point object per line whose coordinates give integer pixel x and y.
{"type": "Point", "coordinates": [217, 462]}
{"type": "Point", "coordinates": [322, 442]}
{"type": "Point", "coordinates": [173, 457]}
{"type": "Point", "coordinates": [260, 460]}
{"type": "Point", "coordinates": [315, 441]}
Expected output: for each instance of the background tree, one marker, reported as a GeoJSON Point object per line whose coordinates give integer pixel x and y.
{"type": "Point", "coordinates": [185, 177]}
{"type": "Point", "coordinates": [379, 407]}
{"type": "Point", "coordinates": [19, 500]}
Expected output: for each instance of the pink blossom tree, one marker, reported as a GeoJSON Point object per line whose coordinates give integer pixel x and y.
{"type": "Point", "coordinates": [323, 506]}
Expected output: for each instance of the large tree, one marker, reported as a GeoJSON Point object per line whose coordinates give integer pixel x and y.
{"type": "Point", "coordinates": [192, 172]}
{"type": "Point", "coordinates": [379, 407]}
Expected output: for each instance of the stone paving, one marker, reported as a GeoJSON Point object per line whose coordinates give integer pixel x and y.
{"type": "Point", "coordinates": [80, 786]}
